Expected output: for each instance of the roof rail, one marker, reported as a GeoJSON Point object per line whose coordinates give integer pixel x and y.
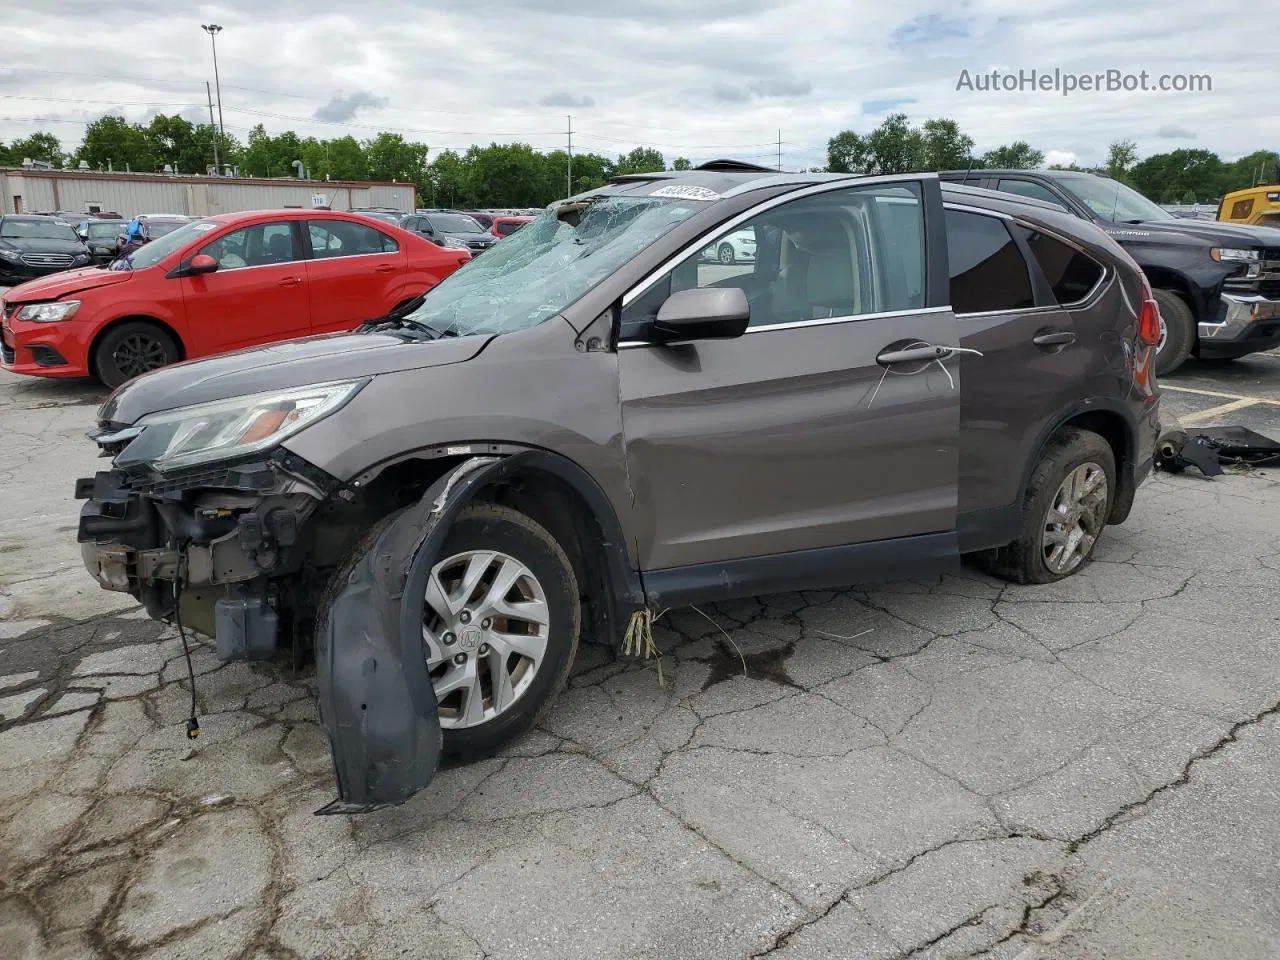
{"type": "Point", "coordinates": [734, 166]}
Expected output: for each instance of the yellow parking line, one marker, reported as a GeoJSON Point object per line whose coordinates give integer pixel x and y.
{"type": "Point", "coordinates": [1210, 414]}
{"type": "Point", "coordinates": [1215, 393]}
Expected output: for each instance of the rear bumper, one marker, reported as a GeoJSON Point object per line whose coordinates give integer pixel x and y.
{"type": "Point", "coordinates": [1244, 324]}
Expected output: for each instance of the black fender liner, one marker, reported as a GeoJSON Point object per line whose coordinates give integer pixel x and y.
{"type": "Point", "coordinates": [376, 698]}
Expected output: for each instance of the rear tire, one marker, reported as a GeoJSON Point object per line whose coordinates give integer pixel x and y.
{"type": "Point", "coordinates": [725, 254]}
{"type": "Point", "coordinates": [1178, 327]}
{"type": "Point", "coordinates": [132, 349]}
{"type": "Point", "coordinates": [1053, 513]}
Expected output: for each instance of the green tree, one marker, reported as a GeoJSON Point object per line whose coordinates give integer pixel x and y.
{"type": "Point", "coordinates": [448, 179]}
{"type": "Point", "coordinates": [681, 163]}
{"type": "Point", "coordinates": [346, 159]}
{"type": "Point", "coordinates": [113, 142]}
{"type": "Point", "coordinates": [38, 146]}
{"type": "Point", "coordinates": [896, 147]}
{"type": "Point", "coordinates": [640, 160]}
{"type": "Point", "coordinates": [1259, 167]}
{"type": "Point", "coordinates": [1168, 177]}
{"type": "Point", "coordinates": [946, 146]}
{"type": "Point", "coordinates": [505, 174]}
{"type": "Point", "coordinates": [1018, 155]}
{"type": "Point", "coordinates": [1121, 156]}
{"type": "Point", "coordinates": [391, 157]}
{"type": "Point", "coordinates": [847, 152]}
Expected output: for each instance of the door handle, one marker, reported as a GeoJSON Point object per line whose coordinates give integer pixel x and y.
{"type": "Point", "coordinates": [920, 354]}
{"type": "Point", "coordinates": [290, 281]}
{"type": "Point", "coordinates": [1054, 338]}
{"type": "Point", "coordinates": [384, 267]}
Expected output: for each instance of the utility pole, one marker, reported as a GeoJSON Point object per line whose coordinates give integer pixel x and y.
{"type": "Point", "coordinates": [568, 176]}
{"type": "Point", "coordinates": [212, 29]}
{"type": "Point", "coordinates": [216, 165]}
{"type": "Point", "coordinates": [779, 149]}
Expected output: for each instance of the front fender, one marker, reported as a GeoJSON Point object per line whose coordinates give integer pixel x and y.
{"type": "Point", "coordinates": [376, 698]}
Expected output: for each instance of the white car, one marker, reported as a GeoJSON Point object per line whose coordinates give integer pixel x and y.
{"type": "Point", "coordinates": [739, 247]}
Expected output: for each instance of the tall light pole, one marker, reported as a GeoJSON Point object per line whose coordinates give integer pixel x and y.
{"type": "Point", "coordinates": [212, 29]}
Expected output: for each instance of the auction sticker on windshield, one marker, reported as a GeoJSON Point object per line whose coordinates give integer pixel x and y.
{"type": "Point", "coordinates": [685, 192]}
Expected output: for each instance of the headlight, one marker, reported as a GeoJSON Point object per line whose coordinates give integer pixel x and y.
{"type": "Point", "coordinates": [234, 427]}
{"type": "Point", "coordinates": [1233, 253]}
{"type": "Point", "coordinates": [82, 258]}
{"type": "Point", "coordinates": [49, 312]}
{"type": "Point", "coordinates": [10, 254]}
{"type": "Point", "coordinates": [455, 243]}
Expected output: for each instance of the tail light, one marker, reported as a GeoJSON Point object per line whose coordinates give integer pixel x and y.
{"type": "Point", "coordinates": [1149, 323]}
{"type": "Point", "coordinates": [1149, 316]}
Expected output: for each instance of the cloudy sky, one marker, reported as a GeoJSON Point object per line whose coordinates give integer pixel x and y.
{"type": "Point", "coordinates": [695, 78]}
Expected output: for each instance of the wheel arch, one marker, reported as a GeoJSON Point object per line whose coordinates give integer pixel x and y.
{"type": "Point", "coordinates": [132, 318]}
{"type": "Point", "coordinates": [549, 488]}
{"type": "Point", "coordinates": [1116, 424]}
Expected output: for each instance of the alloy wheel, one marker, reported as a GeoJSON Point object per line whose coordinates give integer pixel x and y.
{"type": "Point", "coordinates": [1164, 336]}
{"type": "Point", "coordinates": [726, 254]}
{"type": "Point", "coordinates": [137, 354]}
{"type": "Point", "coordinates": [485, 630]}
{"type": "Point", "coordinates": [1075, 518]}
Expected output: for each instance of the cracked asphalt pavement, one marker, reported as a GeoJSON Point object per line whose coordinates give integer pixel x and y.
{"type": "Point", "coordinates": [928, 769]}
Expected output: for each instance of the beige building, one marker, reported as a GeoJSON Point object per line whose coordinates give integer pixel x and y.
{"type": "Point", "coordinates": [29, 190]}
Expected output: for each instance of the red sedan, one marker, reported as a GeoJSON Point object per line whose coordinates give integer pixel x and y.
{"type": "Point", "coordinates": [217, 284]}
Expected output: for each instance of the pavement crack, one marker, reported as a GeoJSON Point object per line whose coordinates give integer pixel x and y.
{"type": "Point", "coordinates": [1183, 778]}
{"type": "Point", "coordinates": [781, 939]}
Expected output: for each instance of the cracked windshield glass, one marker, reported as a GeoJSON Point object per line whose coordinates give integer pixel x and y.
{"type": "Point", "coordinates": [537, 272]}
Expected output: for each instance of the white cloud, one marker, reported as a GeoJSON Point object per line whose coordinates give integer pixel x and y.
{"type": "Point", "coordinates": [1061, 158]}
{"type": "Point", "coordinates": [705, 79]}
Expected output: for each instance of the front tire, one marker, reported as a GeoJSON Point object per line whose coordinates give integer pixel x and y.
{"type": "Point", "coordinates": [132, 349]}
{"type": "Point", "coordinates": [1064, 510]}
{"type": "Point", "coordinates": [725, 254]}
{"type": "Point", "coordinates": [1177, 332]}
{"type": "Point", "coordinates": [500, 628]}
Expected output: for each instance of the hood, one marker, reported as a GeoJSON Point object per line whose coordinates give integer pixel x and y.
{"type": "Point", "coordinates": [59, 285]}
{"type": "Point", "coordinates": [281, 366]}
{"type": "Point", "coordinates": [43, 245]}
{"type": "Point", "coordinates": [1212, 231]}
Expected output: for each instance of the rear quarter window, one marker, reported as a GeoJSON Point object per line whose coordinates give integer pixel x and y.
{"type": "Point", "coordinates": [1070, 273]}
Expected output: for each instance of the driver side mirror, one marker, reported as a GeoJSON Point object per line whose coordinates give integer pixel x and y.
{"type": "Point", "coordinates": [702, 313]}
{"type": "Point", "coordinates": [197, 266]}
{"type": "Point", "coordinates": [201, 263]}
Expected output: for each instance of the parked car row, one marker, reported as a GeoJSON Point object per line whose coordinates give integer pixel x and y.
{"type": "Point", "coordinates": [907, 371]}
{"type": "Point", "coordinates": [203, 287]}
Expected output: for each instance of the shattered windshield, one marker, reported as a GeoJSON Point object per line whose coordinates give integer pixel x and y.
{"type": "Point", "coordinates": [547, 265]}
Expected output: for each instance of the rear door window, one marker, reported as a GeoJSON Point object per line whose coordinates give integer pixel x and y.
{"type": "Point", "coordinates": [1071, 274]}
{"type": "Point", "coordinates": [341, 238]}
{"type": "Point", "coordinates": [988, 273]}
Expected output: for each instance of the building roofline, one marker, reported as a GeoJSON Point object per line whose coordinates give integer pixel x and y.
{"type": "Point", "coordinates": [192, 178]}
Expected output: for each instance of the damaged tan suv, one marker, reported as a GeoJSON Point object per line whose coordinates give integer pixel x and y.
{"type": "Point", "coordinates": [593, 421]}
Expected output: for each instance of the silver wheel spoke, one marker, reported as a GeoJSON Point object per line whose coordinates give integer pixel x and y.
{"type": "Point", "coordinates": [508, 573]}
{"type": "Point", "coordinates": [473, 711]}
{"type": "Point", "coordinates": [530, 611]}
{"type": "Point", "coordinates": [503, 693]}
{"type": "Point", "coordinates": [496, 643]}
{"type": "Point", "coordinates": [526, 646]}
